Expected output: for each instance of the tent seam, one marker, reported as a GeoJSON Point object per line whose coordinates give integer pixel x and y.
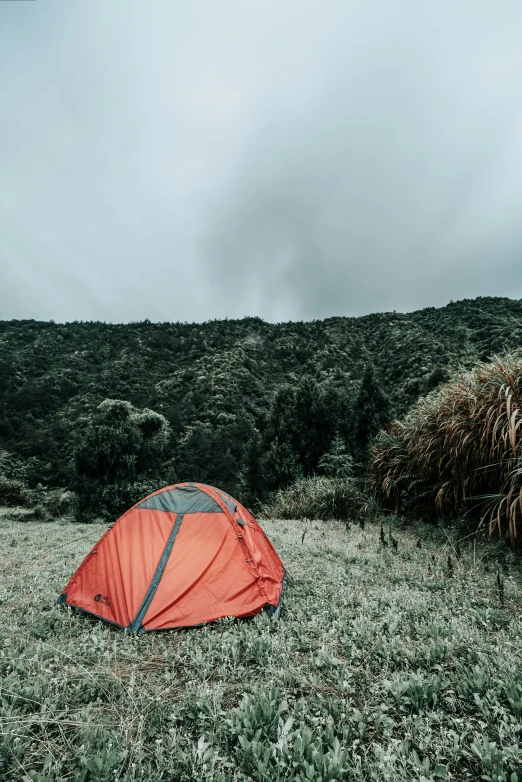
{"type": "Point", "coordinates": [136, 623]}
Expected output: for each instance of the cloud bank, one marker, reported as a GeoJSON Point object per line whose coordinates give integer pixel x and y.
{"type": "Point", "coordinates": [291, 160]}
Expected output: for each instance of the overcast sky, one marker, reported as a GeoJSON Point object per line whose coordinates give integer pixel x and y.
{"type": "Point", "coordinates": [281, 158]}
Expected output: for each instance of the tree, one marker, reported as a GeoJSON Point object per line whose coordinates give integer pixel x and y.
{"type": "Point", "coordinates": [119, 458]}
{"type": "Point", "coordinates": [279, 466]}
{"type": "Point", "coordinates": [206, 457]}
{"type": "Point", "coordinates": [371, 413]}
{"type": "Point", "coordinates": [337, 462]}
{"type": "Point", "coordinates": [216, 453]}
{"type": "Point", "coordinates": [298, 431]}
{"type": "Point", "coordinates": [313, 426]}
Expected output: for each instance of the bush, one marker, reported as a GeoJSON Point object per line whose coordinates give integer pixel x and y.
{"type": "Point", "coordinates": [318, 497]}
{"type": "Point", "coordinates": [13, 467]}
{"type": "Point", "coordinates": [13, 493]}
{"type": "Point", "coordinates": [57, 503]}
{"type": "Point", "coordinates": [460, 449]}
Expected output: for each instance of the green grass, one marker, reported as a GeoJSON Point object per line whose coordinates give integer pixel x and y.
{"type": "Point", "coordinates": [382, 667]}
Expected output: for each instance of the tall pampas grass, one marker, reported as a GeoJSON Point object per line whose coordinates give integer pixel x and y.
{"type": "Point", "coordinates": [460, 448]}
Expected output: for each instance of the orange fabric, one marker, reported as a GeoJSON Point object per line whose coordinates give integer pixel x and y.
{"type": "Point", "coordinates": [217, 567]}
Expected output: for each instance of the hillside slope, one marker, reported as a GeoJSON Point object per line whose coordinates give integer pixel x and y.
{"type": "Point", "coordinates": [222, 373]}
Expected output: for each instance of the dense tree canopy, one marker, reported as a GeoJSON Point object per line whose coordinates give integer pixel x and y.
{"type": "Point", "coordinates": [119, 455]}
{"type": "Point", "coordinates": [250, 405]}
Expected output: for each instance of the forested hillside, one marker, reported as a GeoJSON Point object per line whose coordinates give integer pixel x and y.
{"type": "Point", "coordinates": [244, 404]}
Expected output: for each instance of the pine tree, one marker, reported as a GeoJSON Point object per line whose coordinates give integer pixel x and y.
{"type": "Point", "coordinates": [279, 466]}
{"type": "Point", "coordinates": [337, 462]}
{"type": "Point", "coordinates": [312, 425]}
{"type": "Point", "coordinates": [371, 413]}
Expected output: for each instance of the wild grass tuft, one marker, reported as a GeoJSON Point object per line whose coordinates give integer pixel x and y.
{"type": "Point", "coordinates": [318, 497]}
{"type": "Point", "coordinates": [460, 449]}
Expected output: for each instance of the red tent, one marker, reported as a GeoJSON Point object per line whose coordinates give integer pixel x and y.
{"type": "Point", "coordinates": [185, 555]}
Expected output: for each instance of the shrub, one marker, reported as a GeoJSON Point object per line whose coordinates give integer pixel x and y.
{"type": "Point", "coordinates": [318, 497]}
{"type": "Point", "coordinates": [13, 493]}
{"type": "Point", "coordinates": [460, 449]}
{"type": "Point", "coordinates": [13, 467]}
{"type": "Point", "coordinates": [58, 502]}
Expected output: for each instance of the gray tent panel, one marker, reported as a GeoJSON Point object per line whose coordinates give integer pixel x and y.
{"type": "Point", "coordinates": [183, 499]}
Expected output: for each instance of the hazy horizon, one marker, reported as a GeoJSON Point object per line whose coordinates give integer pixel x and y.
{"type": "Point", "coordinates": [253, 317]}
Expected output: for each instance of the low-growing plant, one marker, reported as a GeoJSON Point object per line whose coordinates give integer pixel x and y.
{"type": "Point", "coordinates": [276, 743]}
{"type": "Point", "coordinates": [370, 673]}
{"type": "Point", "coordinates": [13, 493]}
{"type": "Point", "coordinates": [318, 497]}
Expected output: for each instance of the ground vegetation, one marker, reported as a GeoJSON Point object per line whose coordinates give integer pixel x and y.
{"type": "Point", "coordinates": [395, 662]}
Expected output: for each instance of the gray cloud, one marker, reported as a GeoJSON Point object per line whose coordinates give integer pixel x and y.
{"type": "Point", "coordinates": [288, 160]}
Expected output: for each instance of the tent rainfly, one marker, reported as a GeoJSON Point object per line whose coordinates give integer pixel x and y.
{"type": "Point", "coordinates": [184, 556]}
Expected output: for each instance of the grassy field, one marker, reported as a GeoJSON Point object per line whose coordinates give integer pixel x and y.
{"type": "Point", "coordinates": [385, 665]}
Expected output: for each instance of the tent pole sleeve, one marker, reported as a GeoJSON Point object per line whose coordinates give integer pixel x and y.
{"type": "Point", "coordinates": [135, 625]}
